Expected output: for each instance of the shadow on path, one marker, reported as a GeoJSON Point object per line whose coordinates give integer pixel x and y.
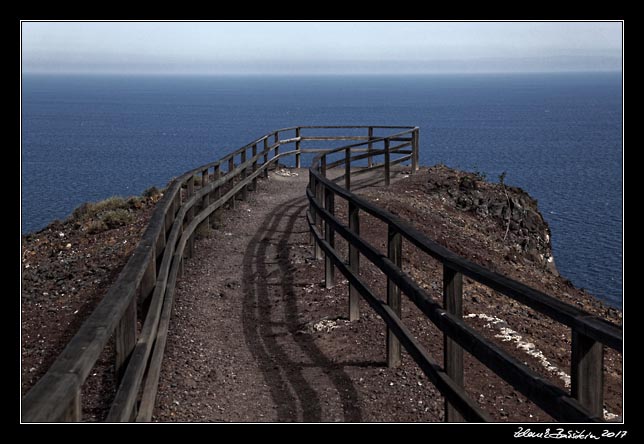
{"type": "Point", "coordinates": [270, 322]}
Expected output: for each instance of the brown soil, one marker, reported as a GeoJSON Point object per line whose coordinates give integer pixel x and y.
{"type": "Point", "coordinates": [65, 273]}
{"type": "Point", "coordinates": [255, 336]}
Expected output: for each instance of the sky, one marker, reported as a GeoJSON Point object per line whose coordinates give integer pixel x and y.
{"type": "Point", "coordinates": [215, 48]}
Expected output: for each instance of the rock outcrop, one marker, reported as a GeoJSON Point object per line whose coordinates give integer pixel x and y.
{"type": "Point", "coordinates": [526, 233]}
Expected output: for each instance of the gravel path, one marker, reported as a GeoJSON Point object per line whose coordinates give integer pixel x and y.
{"type": "Point", "coordinates": [255, 336]}
{"type": "Point", "coordinates": [236, 351]}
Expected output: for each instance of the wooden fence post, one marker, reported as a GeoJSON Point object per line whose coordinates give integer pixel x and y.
{"type": "Point", "coordinates": [177, 205]}
{"type": "Point", "coordinates": [347, 169]}
{"type": "Point", "coordinates": [387, 166]}
{"type": "Point", "coordinates": [231, 167]}
{"type": "Point", "coordinates": [148, 282]}
{"type": "Point", "coordinates": [181, 261]}
{"type": "Point", "coordinates": [215, 195]}
{"type": "Point", "coordinates": [191, 214]}
{"type": "Point", "coordinates": [311, 212]}
{"type": "Point", "coordinates": [319, 196]}
{"type": "Point", "coordinates": [206, 199]}
{"type": "Point", "coordinates": [586, 374]}
{"type": "Point", "coordinates": [394, 253]}
{"type": "Point", "coordinates": [244, 190]}
{"type": "Point", "coordinates": [169, 219]}
{"type": "Point", "coordinates": [323, 165]}
{"type": "Point", "coordinates": [74, 412]}
{"type": "Point", "coordinates": [370, 147]}
{"type": "Point", "coordinates": [159, 247]}
{"type": "Point", "coordinates": [453, 353]}
{"type": "Point", "coordinates": [266, 156]}
{"type": "Point", "coordinates": [354, 261]}
{"type": "Point", "coordinates": [125, 338]}
{"type": "Point", "coordinates": [254, 152]}
{"type": "Point", "coordinates": [297, 147]}
{"type": "Point", "coordinates": [277, 149]}
{"type": "Point", "coordinates": [414, 151]}
{"type": "Point", "coordinates": [329, 236]}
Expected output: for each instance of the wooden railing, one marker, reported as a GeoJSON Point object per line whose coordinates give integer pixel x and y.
{"type": "Point", "coordinates": [149, 277]}
{"type": "Point", "coordinates": [144, 290]}
{"type": "Point", "coordinates": [589, 334]}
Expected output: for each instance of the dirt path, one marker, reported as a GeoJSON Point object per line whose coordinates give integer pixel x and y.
{"type": "Point", "coordinates": [235, 350]}
{"type": "Point", "coordinates": [255, 336]}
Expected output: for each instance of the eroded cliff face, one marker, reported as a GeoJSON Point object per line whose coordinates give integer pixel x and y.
{"type": "Point", "coordinates": [526, 235]}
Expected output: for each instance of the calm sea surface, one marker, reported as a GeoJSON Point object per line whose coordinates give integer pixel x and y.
{"type": "Point", "coordinates": [558, 136]}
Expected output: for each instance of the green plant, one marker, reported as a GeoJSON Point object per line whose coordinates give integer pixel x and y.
{"type": "Point", "coordinates": [111, 203]}
{"type": "Point", "coordinates": [135, 202]}
{"type": "Point", "coordinates": [81, 211]}
{"type": "Point", "coordinates": [116, 218]}
{"type": "Point", "coordinates": [89, 210]}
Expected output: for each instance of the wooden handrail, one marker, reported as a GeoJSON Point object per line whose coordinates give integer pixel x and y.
{"type": "Point", "coordinates": [589, 332]}
{"type": "Point", "coordinates": [152, 271]}
{"type": "Point", "coordinates": [600, 330]}
{"type": "Point", "coordinates": [157, 262]}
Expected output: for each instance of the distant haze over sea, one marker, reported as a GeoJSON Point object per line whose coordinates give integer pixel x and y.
{"type": "Point", "coordinates": [558, 136]}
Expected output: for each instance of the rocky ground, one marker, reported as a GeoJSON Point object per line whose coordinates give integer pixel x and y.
{"type": "Point", "coordinates": [66, 269]}
{"type": "Point", "coordinates": [256, 337]}
{"type": "Point", "coordinates": [499, 227]}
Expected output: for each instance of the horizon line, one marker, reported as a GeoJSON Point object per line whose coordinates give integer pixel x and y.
{"type": "Point", "coordinates": [312, 74]}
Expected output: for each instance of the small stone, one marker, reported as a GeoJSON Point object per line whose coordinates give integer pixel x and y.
{"type": "Point", "coordinates": [68, 246]}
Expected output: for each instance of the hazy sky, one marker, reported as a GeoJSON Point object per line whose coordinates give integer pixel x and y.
{"type": "Point", "coordinates": [319, 47]}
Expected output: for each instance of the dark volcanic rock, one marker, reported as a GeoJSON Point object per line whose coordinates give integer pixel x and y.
{"type": "Point", "coordinates": [511, 208]}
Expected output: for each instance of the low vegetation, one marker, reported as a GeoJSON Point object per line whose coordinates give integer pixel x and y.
{"type": "Point", "coordinates": [113, 212]}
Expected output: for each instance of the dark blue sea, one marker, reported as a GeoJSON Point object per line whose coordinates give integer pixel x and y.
{"type": "Point", "coordinates": [558, 136]}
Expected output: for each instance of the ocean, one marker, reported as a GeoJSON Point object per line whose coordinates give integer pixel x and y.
{"type": "Point", "coordinates": [558, 136]}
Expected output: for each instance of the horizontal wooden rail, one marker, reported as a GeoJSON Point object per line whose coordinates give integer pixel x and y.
{"type": "Point", "coordinates": [395, 150]}
{"type": "Point", "coordinates": [518, 375]}
{"type": "Point", "coordinates": [433, 371]}
{"type": "Point", "coordinates": [191, 199]}
{"type": "Point", "coordinates": [152, 270]}
{"type": "Point", "coordinates": [598, 329]}
{"type": "Point", "coordinates": [584, 404]}
{"type": "Point", "coordinates": [335, 138]}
